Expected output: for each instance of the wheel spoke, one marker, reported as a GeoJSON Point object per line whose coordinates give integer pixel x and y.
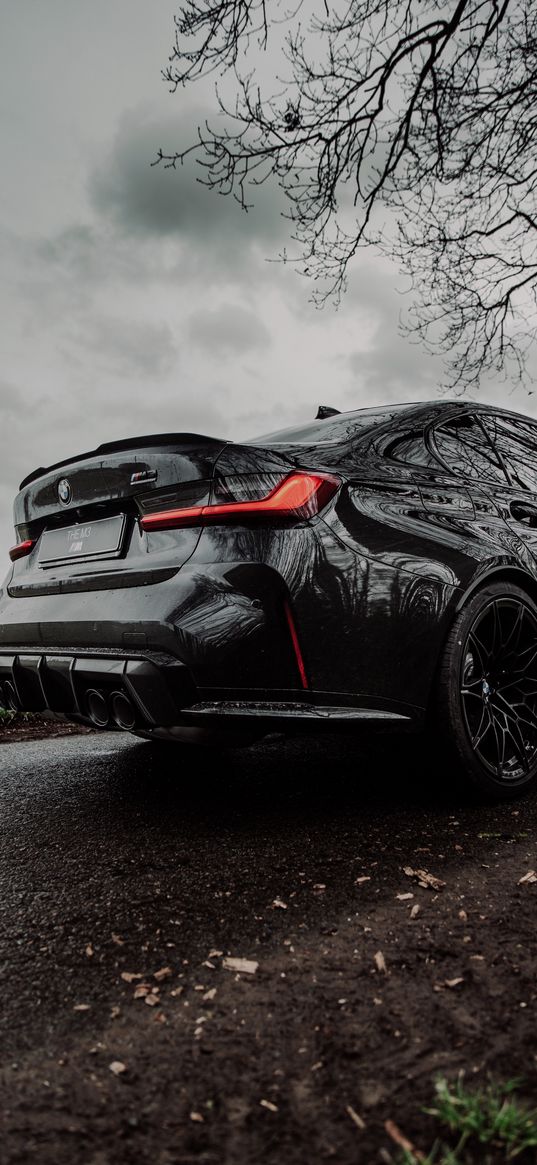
{"type": "Point", "coordinates": [525, 659]}
{"type": "Point", "coordinates": [472, 688]}
{"type": "Point", "coordinates": [499, 736]}
{"type": "Point", "coordinates": [480, 651]}
{"type": "Point", "coordinates": [514, 730]}
{"type": "Point", "coordinates": [513, 638]}
{"type": "Point", "coordinates": [527, 716]}
{"type": "Point", "coordinates": [519, 712]}
{"type": "Point", "coordinates": [497, 641]}
{"type": "Point", "coordinates": [484, 725]}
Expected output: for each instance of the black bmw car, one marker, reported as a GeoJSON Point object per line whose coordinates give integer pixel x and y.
{"type": "Point", "coordinates": [370, 567]}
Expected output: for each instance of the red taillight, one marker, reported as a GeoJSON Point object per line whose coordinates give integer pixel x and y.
{"type": "Point", "coordinates": [21, 549]}
{"type": "Point", "coordinates": [300, 495]}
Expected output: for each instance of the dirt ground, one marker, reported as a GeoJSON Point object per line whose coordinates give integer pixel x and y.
{"type": "Point", "coordinates": [128, 1040]}
{"type": "Point", "coordinates": [38, 728]}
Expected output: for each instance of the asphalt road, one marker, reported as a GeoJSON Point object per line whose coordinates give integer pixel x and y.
{"type": "Point", "coordinates": [116, 860]}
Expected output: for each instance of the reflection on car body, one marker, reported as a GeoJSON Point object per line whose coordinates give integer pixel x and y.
{"type": "Point", "coordinates": [377, 566]}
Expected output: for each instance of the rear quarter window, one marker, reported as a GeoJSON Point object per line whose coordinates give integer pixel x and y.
{"type": "Point", "coordinates": [410, 448]}
{"type": "Point", "coordinates": [515, 438]}
{"type": "Point", "coordinates": [464, 448]}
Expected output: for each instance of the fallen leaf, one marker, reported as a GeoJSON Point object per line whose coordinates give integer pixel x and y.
{"type": "Point", "coordinates": [89, 951]}
{"type": "Point", "coordinates": [268, 1104]}
{"type": "Point", "coordinates": [164, 973]}
{"type": "Point", "coordinates": [215, 954]}
{"type": "Point", "coordinates": [117, 939]}
{"type": "Point", "coordinates": [152, 1000]}
{"type": "Point", "coordinates": [142, 990]}
{"type": "Point", "coordinates": [425, 879]}
{"type": "Point", "coordinates": [404, 897]}
{"type": "Point", "coordinates": [531, 876]}
{"type": "Point", "coordinates": [245, 966]}
{"type": "Point", "coordinates": [81, 1007]}
{"type": "Point", "coordinates": [360, 1124]}
{"type": "Point", "coordinates": [463, 916]}
{"type": "Point", "coordinates": [380, 962]}
{"type": "Point", "coordinates": [196, 1116]}
{"type": "Point", "coordinates": [279, 905]}
{"type": "Point", "coordinates": [130, 976]}
{"type": "Point", "coordinates": [448, 983]}
{"type": "Point", "coordinates": [159, 1017]}
{"type": "Point", "coordinates": [177, 991]}
{"type": "Point", "coordinates": [363, 878]}
{"type": "Point", "coordinates": [210, 994]}
{"type": "Point", "coordinates": [115, 1011]}
{"type": "Point", "coordinates": [117, 1067]}
{"type": "Point", "coordinates": [396, 1135]}
{"type": "Point", "coordinates": [319, 887]}
{"type": "Point", "coordinates": [415, 910]}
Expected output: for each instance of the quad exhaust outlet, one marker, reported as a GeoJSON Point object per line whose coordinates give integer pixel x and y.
{"type": "Point", "coordinates": [103, 707]}
{"type": "Point", "coordinates": [97, 708]}
{"type": "Point", "coordinates": [123, 711]}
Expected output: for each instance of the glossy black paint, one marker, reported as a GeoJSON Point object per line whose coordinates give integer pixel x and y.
{"type": "Point", "coordinates": [435, 500]}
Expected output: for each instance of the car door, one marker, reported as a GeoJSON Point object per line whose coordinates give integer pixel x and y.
{"type": "Point", "coordinates": [515, 442]}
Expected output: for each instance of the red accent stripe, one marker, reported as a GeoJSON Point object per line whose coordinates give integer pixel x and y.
{"type": "Point", "coordinates": [296, 645]}
{"type": "Point", "coordinates": [21, 549]}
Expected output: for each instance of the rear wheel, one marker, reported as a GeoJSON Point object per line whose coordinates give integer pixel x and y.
{"type": "Point", "coordinates": [486, 696]}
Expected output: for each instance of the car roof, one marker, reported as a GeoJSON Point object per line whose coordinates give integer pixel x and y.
{"type": "Point", "coordinates": [444, 405]}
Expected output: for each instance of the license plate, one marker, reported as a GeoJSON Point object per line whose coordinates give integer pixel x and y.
{"type": "Point", "coordinates": [101, 539]}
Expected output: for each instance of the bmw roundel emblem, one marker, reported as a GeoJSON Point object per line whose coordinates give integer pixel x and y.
{"type": "Point", "coordinates": [65, 492]}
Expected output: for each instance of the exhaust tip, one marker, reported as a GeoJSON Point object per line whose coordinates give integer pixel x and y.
{"type": "Point", "coordinates": [97, 708]}
{"type": "Point", "coordinates": [10, 696]}
{"type": "Point", "coordinates": [123, 711]}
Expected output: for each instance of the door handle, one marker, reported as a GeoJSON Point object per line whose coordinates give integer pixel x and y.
{"type": "Point", "coordinates": [523, 511]}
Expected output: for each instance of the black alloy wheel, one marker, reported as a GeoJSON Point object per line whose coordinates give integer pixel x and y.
{"type": "Point", "coordinates": [486, 702]}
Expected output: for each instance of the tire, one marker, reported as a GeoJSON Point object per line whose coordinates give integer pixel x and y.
{"type": "Point", "coordinates": [485, 700]}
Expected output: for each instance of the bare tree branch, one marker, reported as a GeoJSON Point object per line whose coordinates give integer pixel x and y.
{"type": "Point", "coordinates": [408, 125]}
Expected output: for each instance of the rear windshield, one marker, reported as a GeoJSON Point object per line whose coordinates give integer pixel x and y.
{"type": "Point", "coordinates": [332, 430]}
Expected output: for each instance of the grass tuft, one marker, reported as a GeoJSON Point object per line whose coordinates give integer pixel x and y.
{"type": "Point", "coordinates": [491, 1117]}
{"type": "Point", "coordinates": [8, 716]}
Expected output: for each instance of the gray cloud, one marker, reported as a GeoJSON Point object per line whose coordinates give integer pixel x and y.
{"type": "Point", "coordinates": [128, 346]}
{"type": "Point", "coordinates": [10, 402]}
{"type": "Point", "coordinates": [152, 200]}
{"type": "Point", "coordinates": [393, 366]}
{"type": "Point", "coordinates": [389, 365]}
{"type": "Point", "coordinates": [227, 329]}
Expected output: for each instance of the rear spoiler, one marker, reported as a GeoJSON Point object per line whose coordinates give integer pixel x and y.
{"type": "Point", "coordinates": [151, 441]}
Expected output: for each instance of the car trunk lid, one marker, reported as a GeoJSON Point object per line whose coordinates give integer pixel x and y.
{"type": "Point", "coordinates": [81, 514]}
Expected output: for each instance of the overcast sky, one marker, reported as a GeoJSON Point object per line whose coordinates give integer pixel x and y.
{"type": "Point", "coordinates": [133, 300]}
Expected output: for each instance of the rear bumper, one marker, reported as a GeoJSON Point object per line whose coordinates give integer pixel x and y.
{"type": "Point", "coordinates": [211, 645]}
{"type": "Point", "coordinates": [224, 623]}
{"type": "Point", "coordinates": [161, 694]}
{"type": "Point", "coordinates": [156, 687]}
